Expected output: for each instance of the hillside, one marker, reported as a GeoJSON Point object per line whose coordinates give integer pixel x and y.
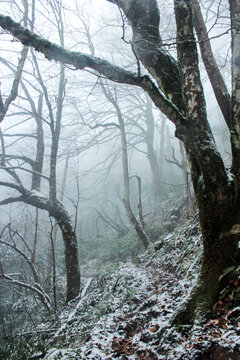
{"type": "Point", "coordinates": [125, 311]}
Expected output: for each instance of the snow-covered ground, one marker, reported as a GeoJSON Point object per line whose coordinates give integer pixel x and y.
{"type": "Point", "coordinates": [125, 313]}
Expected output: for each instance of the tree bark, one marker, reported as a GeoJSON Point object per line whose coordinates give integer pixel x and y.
{"type": "Point", "coordinates": [144, 17]}
{"type": "Point", "coordinates": [81, 61]}
{"type": "Point", "coordinates": [235, 115]}
{"type": "Point", "coordinates": [71, 251]}
{"type": "Point", "coordinates": [213, 191]}
{"type": "Point", "coordinates": [186, 179]}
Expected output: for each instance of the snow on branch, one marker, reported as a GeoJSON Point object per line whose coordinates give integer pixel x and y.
{"type": "Point", "coordinates": [81, 61]}
{"type": "Point", "coordinates": [41, 293]}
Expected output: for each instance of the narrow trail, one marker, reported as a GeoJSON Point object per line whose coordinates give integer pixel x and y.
{"type": "Point", "coordinates": [125, 312]}
{"type": "Point", "coordinates": [131, 331]}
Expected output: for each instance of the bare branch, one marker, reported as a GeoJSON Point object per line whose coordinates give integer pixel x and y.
{"type": "Point", "coordinates": [27, 170]}
{"type": "Point", "coordinates": [82, 61]}
{"type": "Point", "coordinates": [20, 135]}
{"type": "Point", "coordinates": [11, 200]}
{"type": "Point", "coordinates": [14, 91]}
{"type": "Point", "coordinates": [42, 295]}
{"type": "Point", "coordinates": [174, 160]}
{"type": "Point", "coordinates": [20, 252]}
{"type": "Point", "coordinates": [11, 185]}
{"type": "Point", "coordinates": [21, 157]}
{"type": "Point", "coordinates": [216, 79]}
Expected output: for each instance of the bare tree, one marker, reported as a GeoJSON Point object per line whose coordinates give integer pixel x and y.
{"type": "Point", "coordinates": [177, 91]}
{"type": "Point", "coordinates": [143, 131]}
{"type": "Point", "coordinates": [33, 197]}
{"type": "Point", "coordinates": [126, 178]}
{"type": "Point", "coordinates": [14, 279]}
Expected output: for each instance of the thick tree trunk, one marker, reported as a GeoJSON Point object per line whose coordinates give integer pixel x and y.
{"type": "Point", "coordinates": [220, 252]}
{"type": "Point", "coordinates": [213, 190]}
{"type": "Point", "coordinates": [143, 15]}
{"type": "Point", "coordinates": [218, 216]}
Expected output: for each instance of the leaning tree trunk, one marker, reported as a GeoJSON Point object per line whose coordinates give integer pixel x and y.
{"type": "Point", "coordinates": [57, 210]}
{"type": "Point", "coordinates": [71, 250]}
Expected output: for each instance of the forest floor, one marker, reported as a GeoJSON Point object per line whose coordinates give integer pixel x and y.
{"type": "Point", "coordinates": [125, 313]}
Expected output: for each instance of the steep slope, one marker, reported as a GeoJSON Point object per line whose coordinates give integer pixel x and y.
{"type": "Point", "coordinates": [125, 312]}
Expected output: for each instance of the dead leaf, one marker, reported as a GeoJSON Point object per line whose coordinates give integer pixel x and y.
{"type": "Point", "coordinates": [154, 328]}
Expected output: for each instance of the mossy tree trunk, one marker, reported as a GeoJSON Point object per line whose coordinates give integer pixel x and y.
{"type": "Point", "coordinates": [216, 196]}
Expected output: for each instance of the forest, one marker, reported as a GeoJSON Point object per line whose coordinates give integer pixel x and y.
{"type": "Point", "coordinates": [120, 179]}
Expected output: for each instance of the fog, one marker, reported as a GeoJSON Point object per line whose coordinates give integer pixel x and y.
{"type": "Point", "coordinates": [64, 127]}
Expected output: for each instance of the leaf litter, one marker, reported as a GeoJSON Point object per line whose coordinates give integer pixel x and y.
{"type": "Point", "coordinates": [126, 313]}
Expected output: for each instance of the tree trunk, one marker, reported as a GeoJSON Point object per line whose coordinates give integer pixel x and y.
{"type": "Point", "coordinates": [161, 156]}
{"type": "Point", "coordinates": [59, 213]}
{"type": "Point", "coordinates": [50, 256]}
{"type": "Point", "coordinates": [186, 179]}
{"type": "Point", "coordinates": [151, 155]}
{"type": "Point", "coordinates": [71, 250]}
{"type": "Point", "coordinates": [235, 116]}
{"type": "Point", "coordinates": [38, 164]}
{"type": "Point", "coordinates": [126, 201]}
{"type": "Point", "coordinates": [144, 18]}
{"type": "Point", "coordinates": [139, 230]}
{"type": "Point", "coordinates": [213, 190]}
{"type": "Point", "coordinates": [220, 252]}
